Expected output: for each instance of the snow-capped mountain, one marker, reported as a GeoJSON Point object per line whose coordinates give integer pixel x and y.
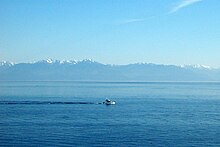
{"type": "Point", "coordinates": [52, 61]}
{"type": "Point", "coordinates": [6, 63]}
{"type": "Point", "coordinates": [197, 66]}
{"type": "Point", "coordinates": [89, 70]}
{"type": "Point", "coordinates": [68, 62]}
{"type": "Point", "coordinates": [47, 61]}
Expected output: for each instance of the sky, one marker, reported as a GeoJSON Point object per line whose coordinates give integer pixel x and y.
{"type": "Point", "coordinates": [111, 31]}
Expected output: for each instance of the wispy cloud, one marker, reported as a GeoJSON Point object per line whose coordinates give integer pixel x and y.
{"type": "Point", "coordinates": [183, 4]}
{"type": "Point", "coordinates": [134, 20]}
{"type": "Point", "coordinates": [127, 21]}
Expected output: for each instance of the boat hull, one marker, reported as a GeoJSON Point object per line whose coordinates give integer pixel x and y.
{"type": "Point", "coordinates": [110, 103]}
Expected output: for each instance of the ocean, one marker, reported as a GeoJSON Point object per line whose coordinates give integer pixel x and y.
{"type": "Point", "coordinates": [66, 113]}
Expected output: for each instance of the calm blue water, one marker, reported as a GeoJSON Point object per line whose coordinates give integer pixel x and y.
{"type": "Point", "coordinates": [146, 114]}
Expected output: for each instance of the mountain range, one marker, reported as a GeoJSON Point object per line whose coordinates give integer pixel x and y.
{"type": "Point", "coordinates": [89, 70]}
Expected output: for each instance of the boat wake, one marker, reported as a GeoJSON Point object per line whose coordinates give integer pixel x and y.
{"type": "Point", "coordinates": [41, 103]}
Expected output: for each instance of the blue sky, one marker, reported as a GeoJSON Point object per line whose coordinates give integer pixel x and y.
{"type": "Point", "coordinates": [111, 31]}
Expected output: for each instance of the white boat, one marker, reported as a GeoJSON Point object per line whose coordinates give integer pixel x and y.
{"type": "Point", "coordinates": [109, 102]}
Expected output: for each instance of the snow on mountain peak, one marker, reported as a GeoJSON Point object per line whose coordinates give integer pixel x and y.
{"type": "Point", "coordinates": [68, 62]}
{"type": "Point", "coordinates": [202, 66]}
{"type": "Point", "coordinates": [87, 60]}
{"type": "Point", "coordinates": [6, 63]}
{"type": "Point", "coordinates": [49, 61]}
{"type": "Point", "coordinates": [141, 63]}
{"type": "Point", "coordinates": [196, 66]}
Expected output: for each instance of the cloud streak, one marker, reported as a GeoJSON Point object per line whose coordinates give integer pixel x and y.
{"type": "Point", "coordinates": [132, 21]}
{"type": "Point", "coordinates": [183, 4]}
